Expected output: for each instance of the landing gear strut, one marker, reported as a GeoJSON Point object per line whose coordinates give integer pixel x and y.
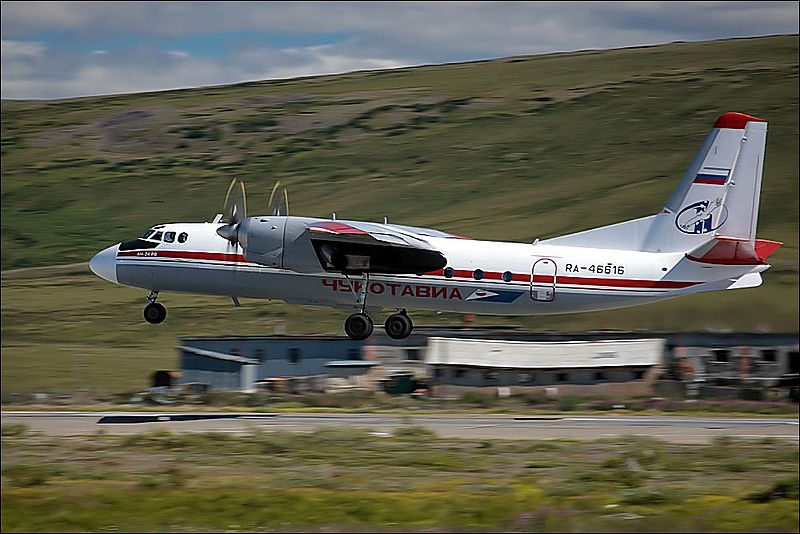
{"type": "Point", "coordinates": [359, 325]}
{"type": "Point", "coordinates": [398, 325]}
{"type": "Point", "coordinates": [154, 313]}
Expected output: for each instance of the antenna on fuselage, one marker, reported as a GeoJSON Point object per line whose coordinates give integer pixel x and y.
{"type": "Point", "coordinates": [217, 218]}
{"type": "Point", "coordinates": [535, 242]}
{"type": "Point", "coordinates": [333, 216]}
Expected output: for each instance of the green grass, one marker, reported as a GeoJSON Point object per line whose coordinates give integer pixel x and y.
{"type": "Point", "coordinates": [508, 149]}
{"type": "Point", "coordinates": [347, 479]}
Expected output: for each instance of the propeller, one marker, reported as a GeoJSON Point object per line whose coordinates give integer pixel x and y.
{"type": "Point", "coordinates": [278, 202]}
{"type": "Point", "coordinates": [235, 210]}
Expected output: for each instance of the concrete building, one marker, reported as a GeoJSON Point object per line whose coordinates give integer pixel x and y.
{"type": "Point", "coordinates": [241, 362]}
{"type": "Point", "coordinates": [620, 367]}
{"type": "Point", "coordinates": [710, 358]}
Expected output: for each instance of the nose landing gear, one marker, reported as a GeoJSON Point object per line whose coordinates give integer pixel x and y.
{"type": "Point", "coordinates": [154, 313]}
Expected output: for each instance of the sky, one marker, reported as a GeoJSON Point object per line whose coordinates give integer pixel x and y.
{"type": "Point", "coordinates": [67, 49]}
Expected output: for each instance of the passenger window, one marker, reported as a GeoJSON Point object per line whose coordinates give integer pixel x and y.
{"type": "Point", "coordinates": [183, 237]}
{"type": "Point", "coordinates": [507, 276]}
{"type": "Point", "coordinates": [169, 237]}
{"type": "Point", "coordinates": [157, 236]}
{"type": "Point", "coordinates": [478, 274]}
{"type": "Point", "coordinates": [448, 273]}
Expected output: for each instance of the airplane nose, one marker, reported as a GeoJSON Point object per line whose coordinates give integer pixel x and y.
{"type": "Point", "coordinates": [104, 264]}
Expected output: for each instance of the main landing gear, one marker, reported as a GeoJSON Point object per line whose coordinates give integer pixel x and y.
{"type": "Point", "coordinates": [154, 313]}
{"type": "Point", "coordinates": [359, 325]}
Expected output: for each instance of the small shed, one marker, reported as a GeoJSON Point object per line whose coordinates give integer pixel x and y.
{"type": "Point", "coordinates": [218, 370]}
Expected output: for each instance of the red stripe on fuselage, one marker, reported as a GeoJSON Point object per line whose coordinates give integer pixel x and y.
{"type": "Point", "coordinates": [460, 274]}
{"type": "Point", "coordinates": [218, 256]}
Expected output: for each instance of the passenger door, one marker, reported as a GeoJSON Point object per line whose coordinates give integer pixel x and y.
{"type": "Point", "coordinates": [543, 280]}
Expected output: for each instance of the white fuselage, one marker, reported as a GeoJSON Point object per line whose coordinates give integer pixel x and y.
{"type": "Point", "coordinates": [517, 279]}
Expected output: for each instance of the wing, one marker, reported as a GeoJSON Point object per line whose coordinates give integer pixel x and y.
{"type": "Point", "coordinates": [357, 247]}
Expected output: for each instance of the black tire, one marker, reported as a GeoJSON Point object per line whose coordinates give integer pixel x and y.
{"type": "Point", "coordinates": [155, 313]}
{"type": "Point", "coordinates": [358, 326]}
{"type": "Point", "coordinates": [398, 326]}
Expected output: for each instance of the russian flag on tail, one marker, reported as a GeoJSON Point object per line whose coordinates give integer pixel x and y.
{"type": "Point", "coordinates": [713, 177]}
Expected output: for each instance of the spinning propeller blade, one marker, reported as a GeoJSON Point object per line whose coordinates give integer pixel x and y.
{"type": "Point", "coordinates": [278, 202]}
{"type": "Point", "coordinates": [235, 209]}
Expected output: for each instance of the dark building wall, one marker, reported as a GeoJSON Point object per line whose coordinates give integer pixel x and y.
{"type": "Point", "coordinates": [486, 377]}
{"type": "Point", "coordinates": [216, 373]}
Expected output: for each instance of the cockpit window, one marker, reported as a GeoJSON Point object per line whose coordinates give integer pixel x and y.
{"type": "Point", "coordinates": [183, 237]}
{"type": "Point", "coordinates": [169, 237]}
{"type": "Point", "coordinates": [146, 233]}
{"type": "Point", "coordinates": [157, 236]}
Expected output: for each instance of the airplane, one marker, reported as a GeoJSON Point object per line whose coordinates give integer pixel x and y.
{"type": "Point", "coordinates": [704, 239]}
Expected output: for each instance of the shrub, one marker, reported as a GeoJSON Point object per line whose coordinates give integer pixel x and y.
{"type": "Point", "coordinates": [643, 496]}
{"type": "Point", "coordinates": [475, 397]}
{"type": "Point", "coordinates": [788, 488]}
{"type": "Point", "coordinates": [568, 404]}
{"type": "Point", "coordinates": [25, 476]}
{"type": "Point", "coordinates": [415, 432]}
{"type": "Point", "coordinates": [15, 429]}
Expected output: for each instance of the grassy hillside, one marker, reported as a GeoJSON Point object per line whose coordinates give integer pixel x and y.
{"type": "Point", "coordinates": [508, 149]}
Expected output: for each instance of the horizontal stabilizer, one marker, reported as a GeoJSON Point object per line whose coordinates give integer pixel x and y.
{"type": "Point", "coordinates": [748, 280]}
{"type": "Point", "coordinates": [734, 251]}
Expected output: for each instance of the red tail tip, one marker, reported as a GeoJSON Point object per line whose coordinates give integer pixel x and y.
{"type": "Point", "coordinates": [736, 121]}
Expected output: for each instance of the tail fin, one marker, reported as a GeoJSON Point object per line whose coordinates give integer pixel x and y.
{"type": "Point", "coordinates": [719, 194]}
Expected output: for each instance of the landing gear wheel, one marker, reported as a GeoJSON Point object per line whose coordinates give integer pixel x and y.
{"type": "Point", "coordinates": [398, 326]}
{"type": "Point", "coordinates": [358, 326]}
{"type": "Point", "coordinates": [155, 313]}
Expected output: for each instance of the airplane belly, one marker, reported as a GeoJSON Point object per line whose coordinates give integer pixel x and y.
{"type": "Point", "coordinates": [410, 292]}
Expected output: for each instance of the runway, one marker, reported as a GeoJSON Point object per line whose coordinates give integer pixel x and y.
{"type": "Point", "coordinates": [468, 426]}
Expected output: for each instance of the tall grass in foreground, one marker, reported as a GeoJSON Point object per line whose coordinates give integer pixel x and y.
{"type": "Point", "coordinates": [351, 479]}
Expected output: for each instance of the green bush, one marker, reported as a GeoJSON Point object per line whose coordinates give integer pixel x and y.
{"type": "Point", "coordinates": [787, 488]}
{"type": "Point", "coordinates": [169, 479]}
{"type": "Point", "coordinates": [568, 404]}
{"type": "Point", "coordinates": [475, 397]}
{"type": "Point", "coordinates": [14, 429]}
{"type": "Point", "coordinates": [25, 476]}
{"type": "Point", "coordinates": [416, 432]}
{"type": "Point", "coordinates": [643, 496]}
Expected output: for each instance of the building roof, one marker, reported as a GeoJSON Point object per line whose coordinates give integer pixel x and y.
{"type": "Point", "coordinates": [217, 355]}
{"type": "Point", "coordinates": [352, 363]}
{"type": "Point", "coordinates": [544, 355]}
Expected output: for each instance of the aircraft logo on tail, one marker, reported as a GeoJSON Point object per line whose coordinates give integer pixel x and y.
{"type": "Point", "coordinates": [702, 217]}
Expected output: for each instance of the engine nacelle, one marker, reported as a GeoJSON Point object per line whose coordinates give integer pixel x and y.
{"type": "Point", "coordinates": [279, 241]}
{"type": "Point", "coordinates": [284, 242]}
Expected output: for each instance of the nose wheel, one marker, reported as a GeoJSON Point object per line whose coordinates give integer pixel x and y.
{"type": "Point", "coordinates": [154, 313]}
